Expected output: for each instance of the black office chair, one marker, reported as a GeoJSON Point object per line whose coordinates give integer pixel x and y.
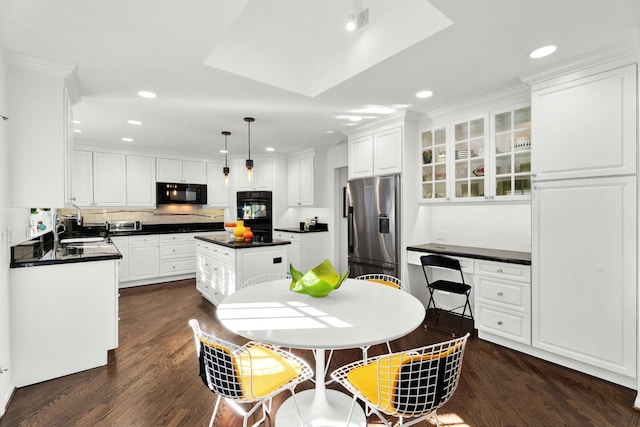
{"type": "Point", "coordinates": [459, 288]}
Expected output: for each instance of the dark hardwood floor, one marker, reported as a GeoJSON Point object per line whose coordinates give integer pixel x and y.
{"type": "Point", "coordinates": [152, 379]}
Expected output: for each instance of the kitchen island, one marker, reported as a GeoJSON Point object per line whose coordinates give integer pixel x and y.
{"type": "Point", "coordinates": [64, 307]}
{"type": "Point", "coordinates": [223, 264]}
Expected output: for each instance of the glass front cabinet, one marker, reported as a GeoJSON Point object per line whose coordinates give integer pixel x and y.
{"type": "Point", "coordinates": [487, 157]}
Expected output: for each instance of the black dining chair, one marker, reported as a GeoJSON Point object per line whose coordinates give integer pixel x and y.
{"type": "Point", "coordinates": [430, 262]}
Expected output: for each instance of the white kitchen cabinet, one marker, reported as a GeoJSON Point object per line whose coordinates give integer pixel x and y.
{"type": "Point", "coordinates": [141, 181]}
{"type": "Point", "coordinates": [144, 257]}
{"type": "Point", "coordinates": [220, 270]}
{"type": "Point", "coordinates": [99, 179]}
{"type": "Point", "coordinates": [503, 300]}
{"type": "Point", "coordinates": [387, 151]}
{"type": "Point", "coordinates": [510, 162]}
{"type": "Point", "coordinates": [360, 157]}
{"type": "Point", "coordinates": [261, 176]}
{"type": "Point", "coordinates": [584, 271]}
{"type": "Point", "coordinates": [109, 179]}
{"type": "Point", "coordinates": [64, 319]}
{"type": "Point", "coordinates": [586, 127]}
{"type": "Point", "coordinates": [39, 99]}
{"type": "Point", "coordinates": [300, 180]}
{"type": "Point", "coordinates": [469, 155]}
{"type": "Point", "coordinates": [122, 243]}
{"type": "Point", "coordinates": [376, 148]}
{"type": "Point", "coordinates": [307, 249]}
{"type": "Point", "coordinates": [177, 254]}
{"type": "Point", "coordinates": [82, 178]}
{"type": "Point", "coordinates": [379, 153]}
{"type": "Point", "coordinates": [172, 170]}
{"type": "Point", "coordinates": [217, 192]}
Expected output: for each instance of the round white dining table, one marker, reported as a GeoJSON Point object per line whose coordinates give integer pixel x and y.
{"type": "Point", "coordinates": [358, 314]}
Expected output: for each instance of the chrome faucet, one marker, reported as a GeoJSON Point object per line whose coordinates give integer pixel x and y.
{"type": "Point", "coordinates": [79, 214]}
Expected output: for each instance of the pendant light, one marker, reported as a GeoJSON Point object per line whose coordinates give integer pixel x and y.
{"type": "Point", "coordinates": [225, 169]}
{"type": "Point", "coordinates": [249, 162]}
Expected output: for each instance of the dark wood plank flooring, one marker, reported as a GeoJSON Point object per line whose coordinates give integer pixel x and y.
{"type": "Point", "coordinates": [152, 379]}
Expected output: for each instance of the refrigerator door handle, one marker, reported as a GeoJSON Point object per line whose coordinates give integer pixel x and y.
{"type": "Point", "coordinates": [350, 230]}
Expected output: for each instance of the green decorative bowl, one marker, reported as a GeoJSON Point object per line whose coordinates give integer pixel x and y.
{"type": "Point", "coordinates": [318, 282]}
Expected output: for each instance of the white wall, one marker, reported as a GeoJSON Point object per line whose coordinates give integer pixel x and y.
{"type": "Point", "coordinates": [6, 383]}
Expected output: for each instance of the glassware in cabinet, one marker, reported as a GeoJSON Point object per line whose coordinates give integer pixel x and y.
{"type": "Point", "coordinates": [469, 161]}
{"type": "Point", "coordinates": [434, 163]}
{"type": "Point", "coordinates": [512, 151]}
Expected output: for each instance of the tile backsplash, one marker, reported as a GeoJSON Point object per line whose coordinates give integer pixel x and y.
{"type": "Point", "coordinates": [169, 214]}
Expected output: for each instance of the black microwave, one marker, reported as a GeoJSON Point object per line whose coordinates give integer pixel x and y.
{"type": "Point", "coordinates": [193, 194]}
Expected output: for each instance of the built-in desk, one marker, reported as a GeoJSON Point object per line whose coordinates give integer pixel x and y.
{"type": "Point", "coordinates": [501, 288]}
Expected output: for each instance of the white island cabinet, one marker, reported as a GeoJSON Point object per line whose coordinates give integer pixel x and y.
{"type": "Point", "coordinates": [223, 266]}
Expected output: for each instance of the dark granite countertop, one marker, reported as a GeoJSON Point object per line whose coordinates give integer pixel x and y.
{"type": "Point", "coordinates": [44, 251]}
{"type": "Point", "coordinates": [225, 240]}
{"type": "Point", "coordinates": [319, 227]}
{"type": "Point", "coordinates": [513, 257]}
{"type": "Point", "coordinates": [194, 227]}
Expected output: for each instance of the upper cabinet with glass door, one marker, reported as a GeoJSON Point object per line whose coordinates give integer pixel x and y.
{"type": "Point", "coordinates": [469, 162]}
{"type": "Point", "coordinates": [511, 145]}
{"type": "Point", "coordinates": [434, 164]}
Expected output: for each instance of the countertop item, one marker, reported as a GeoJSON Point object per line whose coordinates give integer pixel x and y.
{"type": "Point", "coordinates": [513, 257]}
{"type": "Point", "coordinates": [318, 227]}
{"type": "Point", "coordinates": [44, 251]}
{"type": "Point", "coordinates": [347, 318]}
{"type": "Point", "coordinates": [225, 240]}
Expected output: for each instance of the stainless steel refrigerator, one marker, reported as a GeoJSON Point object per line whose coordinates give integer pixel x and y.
{"type": "Point", "coordinates": [373, 225]}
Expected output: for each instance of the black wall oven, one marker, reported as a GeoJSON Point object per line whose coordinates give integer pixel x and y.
{"type": "Point", "coordinates": [255, 209]}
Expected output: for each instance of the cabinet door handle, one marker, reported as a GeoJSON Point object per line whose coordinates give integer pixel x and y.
{"type": "Point", "coordinates": [499, 294]}
{"type": "Point", "coordinates": [500, 322]}
{"type": "Point", "coordinates": [499, 270]}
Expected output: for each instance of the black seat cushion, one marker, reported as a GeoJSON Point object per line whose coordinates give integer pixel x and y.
{"type": "Point", "coordinates": [448, 286]}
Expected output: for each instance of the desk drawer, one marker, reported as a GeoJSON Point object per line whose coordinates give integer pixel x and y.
{"type": "Point", "coordinates": [503, 270]}
{"type": "Point", "coordinates": [466, 264]}
{"type": "Point", "coordinates": [511, 325]}
{"type": "Point", "coordinates": [507, 294]}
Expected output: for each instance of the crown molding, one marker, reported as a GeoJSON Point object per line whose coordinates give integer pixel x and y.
{"type": "Point", "coordinates": [29, 62]}
{"type": "Point", "coordinates": [619, 55]}
{"type": "Point", "coordinates": [392, 119]}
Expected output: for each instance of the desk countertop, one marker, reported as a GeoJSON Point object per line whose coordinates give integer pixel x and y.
{"type": "Point", "coordinates": [513, 257]}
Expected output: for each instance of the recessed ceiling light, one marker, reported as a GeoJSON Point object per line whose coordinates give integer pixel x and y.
{"type": "Point", "coordinates": [541, 52]}
{"type": "Point", "coordinates": [224, 151]}
{"type": "Point", "coordinates": [269, 149]}
{"type": "Point", "coordinates": [127, 139]}
{"type": "Point", "coordinates": [147, 94]}
{"type": "Point", "coordinates": [355, 118]}
{"type": "Point", "coordinates": [134, 122]}
{"type": "Point", "coordinates": [424, 94]}
{"type": "Point", "coordinates": [77, 131]}
{"type": "Point", "coordinates": [77, 122]}
{"type": "Point", "coordinates": [330, 132]}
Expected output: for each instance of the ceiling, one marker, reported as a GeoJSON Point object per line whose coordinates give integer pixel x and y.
{"type": "Point", "coordinates": [290, 64]}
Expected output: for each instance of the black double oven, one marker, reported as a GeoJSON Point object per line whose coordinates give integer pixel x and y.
{"type": "Point", "coordinates": [255, 209]}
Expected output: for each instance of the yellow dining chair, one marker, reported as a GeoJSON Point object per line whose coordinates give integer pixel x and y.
{"type": "Point", "coordinates": [388, 280]}
{"type": "Point", "coordinates": [410, 386]}
{"type": "Point", "coordinates": [252, 373]}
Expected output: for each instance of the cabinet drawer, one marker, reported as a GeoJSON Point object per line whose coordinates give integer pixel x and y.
{"type": "Point", "coordinates": [503, 270]}
{"type": "Point", "coordinates": [177, 237]}
{"type": "Point", "coordinates": [507, 294]}
{"type": "Point", "coordinates": [283, 235]}
{"type": "Point", "coordinates": [466, 264]}
{"type": "Point", "coordinates": [222, 254]}
{"type": "Point", "coordinates": [144, 240]}
{"type": "Point", "coordinates": [180, 266]}
{"type": "Point", "coordinates": [172, 250]}
{"type": "Point", "coordinates": [511, 325]}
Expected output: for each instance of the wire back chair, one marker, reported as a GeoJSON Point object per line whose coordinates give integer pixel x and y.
{"type": "Point", "coordinates": [252, 373]}
{"type": "Point", "coordinates": [410, 386]}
